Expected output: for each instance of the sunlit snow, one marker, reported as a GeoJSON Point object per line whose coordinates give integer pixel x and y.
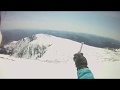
{"type": "Point", "coordinates": [57, 61]}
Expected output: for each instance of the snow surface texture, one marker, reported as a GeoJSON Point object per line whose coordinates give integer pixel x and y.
{"type": "Point", "coordinates": [57, 59]}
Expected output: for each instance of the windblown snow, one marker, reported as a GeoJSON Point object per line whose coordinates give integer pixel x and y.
{"type": "Point", "coordinates": [47, 56]}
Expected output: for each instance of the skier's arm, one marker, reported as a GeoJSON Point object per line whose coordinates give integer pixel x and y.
{"type": "Point", "coordinates": [83, 72]}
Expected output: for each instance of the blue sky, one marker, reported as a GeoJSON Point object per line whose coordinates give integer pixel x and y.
{"type": "Point", "coordinates": [102, 23]}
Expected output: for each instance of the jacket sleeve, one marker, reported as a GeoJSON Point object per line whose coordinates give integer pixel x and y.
{"type": "Point", "coordinates": [85, 73]}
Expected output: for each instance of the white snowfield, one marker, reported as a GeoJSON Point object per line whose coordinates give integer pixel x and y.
{"type": "Point", "coordinates": [57, 61]}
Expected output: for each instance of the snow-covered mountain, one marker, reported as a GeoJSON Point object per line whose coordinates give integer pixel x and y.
{"type": "Point", "coordinates": [50, 48]}
{"type": "Point", "coordinates": [30, 47]}
{"type": "Point", "coordinates": [46, 56]}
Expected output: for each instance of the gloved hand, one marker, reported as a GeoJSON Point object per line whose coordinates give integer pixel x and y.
{"type": "Point", "coordinates": [80, 61]}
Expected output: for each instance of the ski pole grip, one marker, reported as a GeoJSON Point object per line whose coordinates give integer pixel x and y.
{"type": "Point", "coordinates": [81, 47]}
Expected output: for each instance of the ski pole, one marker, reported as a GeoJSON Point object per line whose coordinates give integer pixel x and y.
{"type": "Point", "coordinates": [81, 47]}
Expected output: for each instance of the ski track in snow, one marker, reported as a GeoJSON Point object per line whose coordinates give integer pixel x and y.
{"type": "Point", "coordinates": [57, 62]}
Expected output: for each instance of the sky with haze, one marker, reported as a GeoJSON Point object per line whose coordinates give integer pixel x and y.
{"type": "Point", "coordinates": [102, 23]}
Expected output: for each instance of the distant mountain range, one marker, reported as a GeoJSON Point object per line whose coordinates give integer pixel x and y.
{"type": "Point", "coordinates": [92, 40]}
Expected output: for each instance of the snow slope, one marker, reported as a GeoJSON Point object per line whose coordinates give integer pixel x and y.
{"type": "Point", "coordinates": [26, 68]}
{"type": "Point", "coordinates": [57, 61]}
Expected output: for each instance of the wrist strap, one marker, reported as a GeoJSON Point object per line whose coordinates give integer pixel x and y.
{"type": "Point", "coordinates": [81, 68]}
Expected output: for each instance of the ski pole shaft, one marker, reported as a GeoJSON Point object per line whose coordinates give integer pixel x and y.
{"type": "Point", "coordinates": [81, 47]}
